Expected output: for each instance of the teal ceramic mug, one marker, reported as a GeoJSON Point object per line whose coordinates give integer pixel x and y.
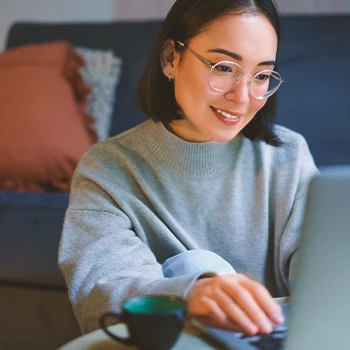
{"type": "Point", "coordinates": [153, 322]}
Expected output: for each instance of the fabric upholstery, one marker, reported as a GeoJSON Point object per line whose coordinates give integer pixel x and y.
{"type": "Point", "coordinates": [313, 59]}
{"type": "Point", "coordinates": [45, 128]}
{"type": "Point", "coordinates": [102, 73]}
{"type": "Point", "coordinates": [131, 41]}
{"type": "Point", "coordinates": [30, 228]}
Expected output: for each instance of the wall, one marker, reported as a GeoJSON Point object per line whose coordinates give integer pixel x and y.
{"type": "Point", "coordinates": [105, 10]}
{"type": "Point", "coordinates": [52, 10]}
{"type": "Point", "coordinates": [314, 6]}
{"type": "Point", "coordinates": [135, 9]}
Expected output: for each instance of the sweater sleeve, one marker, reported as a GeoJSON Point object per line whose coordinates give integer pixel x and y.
{"type": "Point", "coordinates": [103, 260]}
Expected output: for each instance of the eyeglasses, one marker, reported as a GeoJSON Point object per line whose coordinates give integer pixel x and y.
{"type": "Point", "coordinates": [224, 75]}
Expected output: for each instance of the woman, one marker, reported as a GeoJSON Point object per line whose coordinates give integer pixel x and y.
{"type": "Point", "coordinates": [208, 172]}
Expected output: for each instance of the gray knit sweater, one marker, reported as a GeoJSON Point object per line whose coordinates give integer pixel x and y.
{"type": "Point", "coordinates": [145, 195]}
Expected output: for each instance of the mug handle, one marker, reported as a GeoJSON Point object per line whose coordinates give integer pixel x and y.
{"type": "Point", "coordinates": [117, 316]}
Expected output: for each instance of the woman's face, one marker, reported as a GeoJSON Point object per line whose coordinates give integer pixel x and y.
{"type": "Point", "coordinates": [253, 43]}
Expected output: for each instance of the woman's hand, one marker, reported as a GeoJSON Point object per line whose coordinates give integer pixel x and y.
{"type": "Point", "coordinates": [234, 302]}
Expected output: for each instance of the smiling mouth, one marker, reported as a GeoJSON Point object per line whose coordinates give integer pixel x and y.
{"type": "Point", "coordinates": [225, 114]}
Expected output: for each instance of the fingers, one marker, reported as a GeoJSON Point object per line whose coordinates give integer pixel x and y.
{"type": "Point", "coordinates": [235, 302]}
{"type": "Point", "coordinates": [217, 317]}
{"type": "Point", "coordinates": [263, 298]}
{"type": "Point", "coordinates": [254, 301]}
{"type": "Point", "coordinates": [237, 313]}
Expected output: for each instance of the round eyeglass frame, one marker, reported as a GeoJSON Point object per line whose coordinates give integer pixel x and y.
{"type": "Point", "coordinates": [211, 66]}
{"type": "Point", "coordinates": [237, 78]}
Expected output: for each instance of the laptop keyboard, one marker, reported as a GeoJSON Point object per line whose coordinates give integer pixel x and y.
{"type": "Point", "coordinates": [272, 341]}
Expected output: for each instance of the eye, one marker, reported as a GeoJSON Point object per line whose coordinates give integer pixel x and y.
{"type": "Point", "coordinates": [222, 68]}
{"type": "Point", "coordinates": [262, 77]}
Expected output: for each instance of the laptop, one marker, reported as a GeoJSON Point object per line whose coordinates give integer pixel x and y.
{"type": "Point", "coordinates": [318, 315]}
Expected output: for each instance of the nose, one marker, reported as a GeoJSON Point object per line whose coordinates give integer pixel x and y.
{"type": "Point", "coordinates": [239, 93]}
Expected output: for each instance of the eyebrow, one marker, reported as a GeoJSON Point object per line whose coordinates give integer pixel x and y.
{"type": "Point", "coordinates": [238, 57]}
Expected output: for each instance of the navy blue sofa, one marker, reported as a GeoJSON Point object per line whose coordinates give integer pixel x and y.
{"type": "Point", "coordinates": [313, 59]}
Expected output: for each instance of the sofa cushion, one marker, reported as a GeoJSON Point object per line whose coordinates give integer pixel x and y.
{"type": "Point", "coordinates": [129, 40]}
{"type": "Point", "coordinates": [101, 72]}
{"type": "Point", "coordinates": [45, 128]}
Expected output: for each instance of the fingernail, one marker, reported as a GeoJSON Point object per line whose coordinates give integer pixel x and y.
{"type": "Point", "coordinates": [251, 329]}
{"type": "Point", "coordinates": [278, 317]}
{"type": "Point", "coordinates": [265, 326]}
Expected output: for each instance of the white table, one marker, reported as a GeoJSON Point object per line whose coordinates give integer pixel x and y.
{"type": "Point", "coordinates": [190, 338]}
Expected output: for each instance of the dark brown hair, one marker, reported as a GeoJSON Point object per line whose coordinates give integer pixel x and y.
{"type": "Point", "coordinates": [185, 20]}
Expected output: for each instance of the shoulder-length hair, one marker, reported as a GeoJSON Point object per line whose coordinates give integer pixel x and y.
{"type": "Point", "coordinates": [185, 20]}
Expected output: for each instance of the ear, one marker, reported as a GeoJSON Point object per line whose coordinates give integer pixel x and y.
{"type": "Point", "coordinates": [168, 60]}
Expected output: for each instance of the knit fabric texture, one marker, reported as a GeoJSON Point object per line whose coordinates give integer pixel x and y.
{"type": "Point", "coordinates": [146, 195]}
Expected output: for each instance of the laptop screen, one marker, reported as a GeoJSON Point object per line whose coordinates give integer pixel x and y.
{"type": "Point", "coordinates": [320, 306]}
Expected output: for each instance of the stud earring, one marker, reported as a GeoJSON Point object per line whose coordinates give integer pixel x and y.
{"type": "Point", "coordinates": [170, 79]}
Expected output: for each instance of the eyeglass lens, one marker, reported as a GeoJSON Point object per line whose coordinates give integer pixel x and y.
{"type": "Point", "coordinates": [224, 75]}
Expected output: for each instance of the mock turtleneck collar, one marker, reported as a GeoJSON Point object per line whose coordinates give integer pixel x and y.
{"type": "Point", "coordinates": [190, 159]}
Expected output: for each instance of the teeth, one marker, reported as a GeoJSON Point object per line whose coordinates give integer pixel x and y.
{"type": "Point", "coordinates": [226, 115]}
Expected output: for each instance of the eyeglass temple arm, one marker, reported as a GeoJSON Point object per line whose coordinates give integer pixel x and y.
{"type": "Point", "coordinates": [208, 64]}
